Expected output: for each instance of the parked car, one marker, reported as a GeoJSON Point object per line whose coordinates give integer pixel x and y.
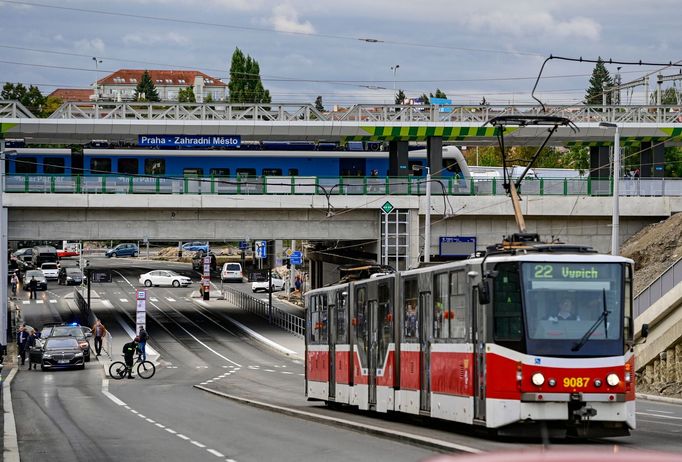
{"type": "Point", "coordinates": [261, 284]}
{"type": "Point", "coordinates": [39, 277]}
{"type": "Point", "coordinates": [50, 270]}
{"type": "Point", "coordinates": [195, 247]}
{"type": "Point", "coordinates": [68, 276]}
{"type": "Point", "coordinates": [74, 330]}
{"type": "Point", "coordinates": [57, 352]}
{"type": "Point", "coordinates": [24, 254]}
{"type": "Point", "coordinates": [198, 261]}
{"type": "Point", "coordinates": [232, 272]}
{"type": "Point", "coordinates": [164, 278]}
{"type": "Point", "coordinates": [123, 250]}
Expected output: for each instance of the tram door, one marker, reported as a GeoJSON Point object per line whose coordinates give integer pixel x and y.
{"type": "Point", "coordinates": [373, 351]}
{"type": "Point", "coordinates": [331, 322]}
{"type": "Point", "coordinates": [425, 327]}
{"type": "Point", "coordinates": [478, 333]}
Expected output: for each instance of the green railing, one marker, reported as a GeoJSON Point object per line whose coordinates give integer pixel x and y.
{"type": "Point", "coordinates": [303, 185]}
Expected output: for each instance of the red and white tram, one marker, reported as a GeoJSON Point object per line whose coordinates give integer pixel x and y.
{"type": "Point", "coordinates": [537, 334]}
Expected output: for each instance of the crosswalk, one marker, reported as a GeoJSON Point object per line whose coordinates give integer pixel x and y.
{"type": "Point", "coordinates": [105, 302]}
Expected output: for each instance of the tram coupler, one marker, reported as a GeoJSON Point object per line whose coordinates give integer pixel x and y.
{"type": "Point", "coordinates": [578, 408]}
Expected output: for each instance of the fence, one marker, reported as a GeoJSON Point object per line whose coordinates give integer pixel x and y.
{"type": "Point", "coordinates": [87, 317]}
{"type": "Point", "coordinates": [287, 321]}
{"type": "Point", "coordinates": [661, 286]}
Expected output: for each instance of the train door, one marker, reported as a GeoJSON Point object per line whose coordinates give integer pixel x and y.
{"type": "Point", "coordinates": [373, 360]}
{"type": "Point", "coordinates": [478, 338]}
{"type": "Point", "coordinates": [353, 166]}
{"type": "Point", "coordinates": [425, 327]}
{"type": "Point", "coordinates": [331, 323]}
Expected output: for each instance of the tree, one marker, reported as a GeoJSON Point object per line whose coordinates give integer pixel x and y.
{"type": "Point", "coordinates": [318, 104]}
{"type": "Point", "coordinates": [52, 103]}
{"type": "Point", "coordinates": [146, 91]}
{"type": "Point", "coordinates": [400, 97]}
{"type": "Point", "coordinates": [668, 96]}
{"type": "Point", "coordinates": [30, 97]}
{"type": "Point", "coordinates": [186, 95]}
{"type": "Point", "coordinates": [599, 80]}
{"type": "Point", "coordinates": [245, 83]}
{"type": "Point", "coordinates": [425, 99]}
{"type": "Point", "coordinates": [439, 94]}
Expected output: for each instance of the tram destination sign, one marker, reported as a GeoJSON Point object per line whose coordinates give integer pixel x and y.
{"type": "Point", "coordinates": [190, 141]}
{"type": "Point", "coordinates": [456, 246]}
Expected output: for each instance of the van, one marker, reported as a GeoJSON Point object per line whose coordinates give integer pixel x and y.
{"type": "Point", "coordinates": [43, 254]}
{"type": "Point", "coordinates": [232, 272]}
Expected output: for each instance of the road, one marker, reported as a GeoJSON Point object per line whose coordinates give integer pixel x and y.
{"type": "Point", "coordinates": [78, 415]}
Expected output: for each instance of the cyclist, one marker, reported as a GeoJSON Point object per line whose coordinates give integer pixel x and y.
{"type": "Point", "coordinates": [129, 350]}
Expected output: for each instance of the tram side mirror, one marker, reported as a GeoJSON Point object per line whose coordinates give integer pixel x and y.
{"type": "Point", "coordinates": [484, 292]}
{"type": "Point", "coordinates": [645, 330]}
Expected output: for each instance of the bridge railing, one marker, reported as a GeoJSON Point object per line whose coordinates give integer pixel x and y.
{"type": "Point", "coordinates": [334, 186]}
{"type": "Point", "coordinates": [658, 288]}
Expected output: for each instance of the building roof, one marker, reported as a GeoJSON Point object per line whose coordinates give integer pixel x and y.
{"type": "Point", "coordinates": [159, 77]}
{"type": "Point", "coordinates": [73, 94]}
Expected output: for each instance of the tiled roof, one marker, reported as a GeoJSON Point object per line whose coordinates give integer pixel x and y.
{"type": "Point", "coordinates": [73, 94]}
{"type": "Point", "coordinates": [159, 77]}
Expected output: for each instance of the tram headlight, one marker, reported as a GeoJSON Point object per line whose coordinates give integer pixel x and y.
{"type": "Point", "coordinates": [538, 379]}
{"type": "Point", "coordinates": [612, 380]}
{"type": "Point", "coordinates": [597, 383]}
{"type": "Point", "coordinates": [551, 382]}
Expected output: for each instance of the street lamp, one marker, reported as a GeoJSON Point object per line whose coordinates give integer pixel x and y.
{"type": "Point", "coordinates": [394, 69]}
{"type": "Point", "coordinates": [97, 63]}
{"type": "Point", "coordinates": [615, 219]}
{"type": "Point", "coordinates": [427, 219]}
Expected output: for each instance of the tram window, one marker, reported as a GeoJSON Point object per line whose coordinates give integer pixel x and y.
{"type": "Point", "coordinates": [272, 172]}
{"type": "Point", "coordinates": [410, 319]}
{"type": "Point", "coordinates": [341, 317]}
{"type": "Point", "coordinates": [441, 318]}
{"type": "Point", "coordinates": [507, 322]}
{"type": "Point", "coordinates": [293, 172]}
{"type": "Point", "coordinates": [128, 166]}
{"type": "Point", "coordinates": [385, 319]}
{"type": "Point", "coordinates": [192, 172]}
{"type": "Point", "coordinates": [457, 305]}
{"type": "Point", "coordinates": [361, 324]}
{"type": "Point", "coordinates": [220, 172]}
{"type": "Point", "coordinates": [26, 165]}
{"type": "Point", "coordinates": [246, 172]}
{"type": "Point", "coordinates": [323, 324]}
{"type": "Point", "coordinates": [313, 315]}
{"type": "Point", "coordinates": [53, 165]}
{"type": "Point", "coordinates": [154, 166]}
{"type": "Point", "coordinates": [100, 166]}
{"type": "Point", "coordinates": [627, 306]}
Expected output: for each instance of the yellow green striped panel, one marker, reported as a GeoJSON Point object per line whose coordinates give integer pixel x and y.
{"type": "Point", "coordinates": [421, 133]}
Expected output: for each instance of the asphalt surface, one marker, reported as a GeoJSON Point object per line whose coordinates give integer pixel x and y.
{"type": "Point", "coordinates": [66, 415]}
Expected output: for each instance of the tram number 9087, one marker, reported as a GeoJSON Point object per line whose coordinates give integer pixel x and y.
{"type": "Point", "coordinates": [576, 382]}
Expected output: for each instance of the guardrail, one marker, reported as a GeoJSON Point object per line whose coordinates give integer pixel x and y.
{"type": "Point", "coordinates": [88, 318]}
{"type": "Point", "coordinates": [287, 321]}
{"type": "Point", "coordinates": [658, 288]}
{"type": "Point", "coordinates": [334, 186]}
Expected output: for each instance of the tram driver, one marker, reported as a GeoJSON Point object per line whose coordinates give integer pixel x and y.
{"type": "Point", "coordinates": [566, 312]}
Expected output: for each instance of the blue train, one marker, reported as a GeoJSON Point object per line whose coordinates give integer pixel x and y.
{"type": "Point", "coordinates": [290, 159]}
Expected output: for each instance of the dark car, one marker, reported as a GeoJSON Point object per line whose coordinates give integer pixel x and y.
{"type": "Point", "coordinates": [25, 254]}
{"type": "Point", "coordinates": [69, 276]}
{"type": "Point", "coordinates": [73, 330]}
{"type": "Point", "coordinates": [198, 261]}
{"type": "Point", "coordinates": [57, 352]}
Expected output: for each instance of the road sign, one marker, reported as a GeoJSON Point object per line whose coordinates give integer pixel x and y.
{"type": "Point", "coordinates": [387, 207]}
{"type": "Point", "coordinates": [207, 265]}
{"type": "Point", "coordinates": [243, 245]}
{"type": "Point", "coordinates": [141, 309]}
{"type": "Point", "coordinates": [296, 258]}
{"type": "Point", "coordinates": [289, 252]}
{"type": "Point", "coordinates": [261, 249]}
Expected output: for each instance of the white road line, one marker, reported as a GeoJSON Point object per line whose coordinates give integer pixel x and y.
{"type": "Point", "coordinates": [153, 299]}
{"type": "Point", "coordinates": [287, 372]}
{"type": "Point", "coordinates": [25, 302]}
{"type": "Point", "coordinates": [150, 420]}
{"type": "Point", "coordinates": [134, 411]}
{"type": "Point", "coordinates": [39, 302]}
{"type": "Point", "coordinates": [659, 416]}
{"type": "Point", "coordinates": [10, 441]}
{"type": "Point", "coordinates": [107, 304]}
{"type": "Point", "coordinates": [661, 412]}
{"type": "Point", "coordinates": [123, 300]}
{"type": "Point", "coordinates": [143, 416]}
{"type": "Point", "coordinates": [215, 453]}
{"type": "Point", "coordinates": [159, 425]}
{"type": "Point", "coordinates": [170, 430]}
{"type": "Point", "coordinates": [198, 444]}
{"type": "Point", "coordinates": [268, 370]}
{"type": "Point", "coordinates": [105, 392]}
{"type": "Point", "coordinates": [180, 435]}
{"type": "Point", "coordinates": [53, 301]}
{"type": "Point", "coordinates": [170, 299]}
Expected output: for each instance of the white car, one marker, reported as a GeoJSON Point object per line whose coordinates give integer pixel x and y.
{"type": "Point", "coordinates": [164, 278]}
{"type": "Point", "coordinates": [50, 270]}
{"type": "Point", "coordinates": [277, 284]}
{"type": "Point", "coordinates": [232, 272]}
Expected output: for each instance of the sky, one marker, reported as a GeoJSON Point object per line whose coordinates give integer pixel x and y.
{"type": "Point", "coordinates": [470, 50]}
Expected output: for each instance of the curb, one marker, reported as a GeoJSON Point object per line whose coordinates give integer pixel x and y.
{"type": "Point", "coordinates": [11, 444]}
{"type": "Point", "coordinates": [661, 399]}
{"type": "Point", "coordinates": [396, 435]}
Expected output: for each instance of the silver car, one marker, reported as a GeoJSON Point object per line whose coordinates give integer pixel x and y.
{"type": "Point", "coordinates": [38, 276]}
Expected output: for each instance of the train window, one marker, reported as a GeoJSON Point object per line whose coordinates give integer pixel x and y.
{"type": "Point", "coordinates": [100, 166]}
{"type": "Point", "coordinates": [457, 306]}
{"type": "Point", "coordinates": [385, 320]}
{"type": "Point", "coordinates": [441, 309]}
{"type": "Point", "coordinates": [507, 322]}
{"type": "Point", "coordinates": [410, 318]}
{"type": "Point", "coordinates": [451, 165]}
{"type": "Point", "coordinates": [154, 166]}
{"type": "Point", "coordinates": [361, 335]}
{"type": "Point", "coordinates": [220, 172]}
{"type": "Point", "coordinates": [246, 172]}
{"type": "Point", "coordinates": [53, 165]}
{"type": "Point", "coordinates": [26, 164]}
{"type": "Point", "coordinates": [192, 172]}
{"type": "Point", "coordinates": [272, 172]}
{"type": "Point", "coordinates": [341, 317]}
{"type": "Point", "coordinates": [293, 172]}
{"type": "Point", "coordinates": [419, 172]}
{"type": "Point", "coordinates": [128, 166]}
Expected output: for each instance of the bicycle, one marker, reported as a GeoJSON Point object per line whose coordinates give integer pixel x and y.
{"type": "Point", "coordinates": [145, 369]}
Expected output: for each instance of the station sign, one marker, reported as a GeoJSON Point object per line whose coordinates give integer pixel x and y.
{"type": "Point", "coordinates": [141, 309]}
{"type": "Point", "coordinates": [261, 249]}
{"type": "Point", "coordinates": [456, 246]}
{"type": "Point", "coordinates": [296, 258]}
{"type": "Point", "coordinates": [190, 141]}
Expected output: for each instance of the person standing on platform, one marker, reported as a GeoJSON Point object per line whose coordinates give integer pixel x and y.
{"type": "Point", "coordinates": [142, 334]}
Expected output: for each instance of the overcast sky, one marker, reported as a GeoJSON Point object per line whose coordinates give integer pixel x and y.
{"type": "Point", "coordinates": [491, 48]}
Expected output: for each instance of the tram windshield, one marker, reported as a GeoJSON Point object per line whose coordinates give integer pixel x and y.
{"type": "Point", "coordinates": [563, 302]}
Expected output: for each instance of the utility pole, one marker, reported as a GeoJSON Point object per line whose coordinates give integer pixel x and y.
{"type": "Point", "coordinates": [3, 252]}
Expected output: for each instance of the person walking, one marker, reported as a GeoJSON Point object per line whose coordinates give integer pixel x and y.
{"type": "Point", "coordinates": [33, 288]}
{"type": "Point", "coordinates": [15, 283]}
{"type": "Point", "coordinates": [99, 332]}
{"type": "Point", "coordinates": [129, 350]}
{"type": "Point", "coordinates": [32, 337]}
{"type": "Point", "coordinates": [22, 342]}
{"type": "Point", "coordinates": [143, 336]}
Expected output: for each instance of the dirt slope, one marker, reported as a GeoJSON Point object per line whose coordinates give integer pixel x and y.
{"type": "Point", "coordinates": [654, 249]}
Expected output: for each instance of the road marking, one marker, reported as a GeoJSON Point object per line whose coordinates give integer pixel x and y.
{"type": "Point", "coordinates": [180, 435]}
{"type": "Point", "coordinates": [287, 372]}
{"type": "Point", "coordinates": [150, 420]}
{"type": "Point", "coordinates": [123, 300]}
{"type": "Point", "coordinates": [154, 299]}
{"type": "Point", "coordinates": [107, 304]}
{"type": "Point", "coordinates": [170, 299]}
{"type": "Point", "coordinates": [198, 444]}
{"type": "Point", "coordinates": [105, 392]}
{"type": "Point", "coordinates": [10, 441]}
{"type": "Point", "coordinates": [143, 416]}
{"type": "Point", "coordinates": [662, 412]}
{"type": "Point", "coordinates": [25, 302]}
{"type": "Point", "coordinates": [159, 425]}
{"type": "Point", "coordinates": [53, 301]}
{"type": "Point", "coordinates": [39, 302]}
{"type": "Point", "coordinates": [268, 370]}
{"type": "Point", "coordinates": [659, 416]}
{"type": "Point", "coordinates": [215, 453]}
{"type": "Point", "coordinates": [170, 430]}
